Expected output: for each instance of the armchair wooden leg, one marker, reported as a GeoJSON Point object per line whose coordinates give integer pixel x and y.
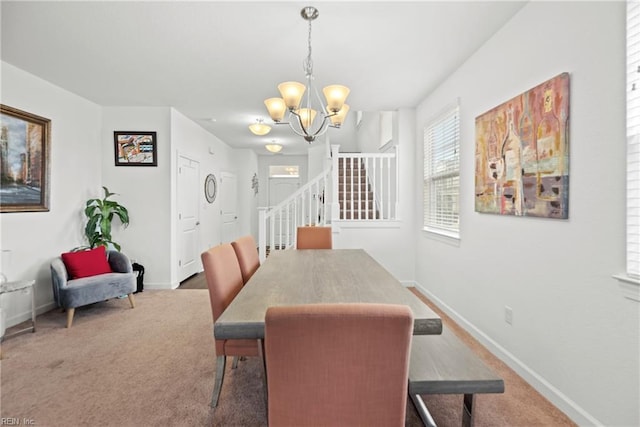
{"type": "Point", "coordinates": [70, 313]}
{"type": "Point", "coordinates": [132, 301]}
{"type": "Point", "coordinates": [221, 361]}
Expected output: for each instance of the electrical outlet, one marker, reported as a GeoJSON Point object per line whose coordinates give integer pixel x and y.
{"type": "Point", "coordinates": [508, 314]}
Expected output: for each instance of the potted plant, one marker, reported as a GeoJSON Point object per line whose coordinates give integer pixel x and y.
{"type": "Point", "coordinates": [100, 214]}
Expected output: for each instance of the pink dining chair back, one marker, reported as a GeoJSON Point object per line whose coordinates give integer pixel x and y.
{"type": "Point", "coordinates": [337, 364]}
{"type": "Point", "coordinates": [224, 277]}
{"type": "Point", "coordinates": [224, 280]}
{"type": "Point", "coordinates": [314, 238]}
{"type": "Point", "coordinates": [247, 254]}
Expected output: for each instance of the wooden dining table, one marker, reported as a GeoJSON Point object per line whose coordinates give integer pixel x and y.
{"type": "Point", "coordinates": [311, 276]}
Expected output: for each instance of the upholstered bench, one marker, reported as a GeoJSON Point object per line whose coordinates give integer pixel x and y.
{"type": "Point", "coordinates": [442, 364]}
{"type": "Point", "coordinates": [91, 276]}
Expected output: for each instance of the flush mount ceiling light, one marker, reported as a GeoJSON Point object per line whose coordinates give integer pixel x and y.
{"type": "Point", "coordinates": [303, 118]}
{"type": "Point", "coordinates": [259, 128]}
{"type": "Point", "coordinates": [273, 147]}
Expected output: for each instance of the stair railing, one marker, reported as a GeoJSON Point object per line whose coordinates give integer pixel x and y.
{"type": "Point", "coordinates": [277, 226]}
{"type": "Point", "coordinates": [366, 189]}
{"type": "Point", "coordinates": [365, 186]}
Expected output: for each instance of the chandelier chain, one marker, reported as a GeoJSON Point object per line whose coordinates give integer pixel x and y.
{"type": "Point", "coordinates": [308, 62]}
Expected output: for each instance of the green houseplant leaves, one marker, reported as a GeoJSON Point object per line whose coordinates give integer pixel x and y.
{"type": "Point", "coordinates": [100, 214]}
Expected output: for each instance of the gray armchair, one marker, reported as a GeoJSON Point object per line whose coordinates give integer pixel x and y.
{"type": "Point", "coordinates": [70, 294]}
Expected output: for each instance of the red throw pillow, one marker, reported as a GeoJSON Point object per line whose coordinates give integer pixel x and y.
{"type": "Point", "coordinates": [86, 263]}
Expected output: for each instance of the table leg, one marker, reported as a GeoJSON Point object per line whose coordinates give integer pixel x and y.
{"type": "Point", "coordinates": [467, 410]}
{"type": "Point", "coordinates": [425, 416]}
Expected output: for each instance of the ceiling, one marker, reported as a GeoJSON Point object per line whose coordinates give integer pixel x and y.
{"type": "Point", "coordinates": [217, 61]}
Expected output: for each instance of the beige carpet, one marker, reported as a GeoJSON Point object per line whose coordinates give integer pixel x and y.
{"type": "Point", "coordinates": [154, 365]}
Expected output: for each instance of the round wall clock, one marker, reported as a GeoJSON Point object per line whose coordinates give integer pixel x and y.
{"type": "Point", "coordinates": [210, 188]}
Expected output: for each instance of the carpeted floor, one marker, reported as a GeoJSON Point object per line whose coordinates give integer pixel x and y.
{"type": "Point", "coordinates": [154, 366]}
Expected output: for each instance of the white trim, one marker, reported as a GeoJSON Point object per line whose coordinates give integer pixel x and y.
{"type": "Point", "coordinates": [26, 315]}
{"type": "Point", "coordinates": [560, 400]}
{"type": "Point", "coordinates": [363, 223]}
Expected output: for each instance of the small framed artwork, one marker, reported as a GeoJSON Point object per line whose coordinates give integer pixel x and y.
{"type": "Point", "coordinates": [135, 148]}
{"type": "Point", "coordinates": [24, 161]}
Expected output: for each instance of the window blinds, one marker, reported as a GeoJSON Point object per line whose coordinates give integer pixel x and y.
{"type": "Point", "coordinates": [633, 139]}
{"type": "Point", "coordinates": [441, 184]}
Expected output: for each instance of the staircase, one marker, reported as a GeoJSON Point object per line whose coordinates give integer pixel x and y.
{"type": "Point", "coordinates": [357, 187]}
{"type": "Point", "coordinates": [355, 194]}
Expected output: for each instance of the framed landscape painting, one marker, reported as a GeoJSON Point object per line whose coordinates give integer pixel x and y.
{"type": "Point", "coordinates": [24, 161]}
{"type": "Point", "coordinates": [135, 148]}
{"type": "Point", "coordinates": [522, 154]}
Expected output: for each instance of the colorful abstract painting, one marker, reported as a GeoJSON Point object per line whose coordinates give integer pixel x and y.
{"type": "Point", "coordinates": [522, 154]}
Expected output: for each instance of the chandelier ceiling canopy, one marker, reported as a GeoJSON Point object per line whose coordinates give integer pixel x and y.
{"type": "Point", "coordinates": [297, 99]}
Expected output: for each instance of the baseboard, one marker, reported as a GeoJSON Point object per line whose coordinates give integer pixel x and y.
{"type": "Point", "coordinates": [561, 401]}
{"type": "Point", "coordinates": [26, 315]}
{"type": "Point", "coordinates": [161, 286]}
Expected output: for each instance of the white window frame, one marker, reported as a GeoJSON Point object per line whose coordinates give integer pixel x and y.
{"type": "Point", "coordinates": [441, 173]}
{"type": "Point", "coordinates": [630, 281]}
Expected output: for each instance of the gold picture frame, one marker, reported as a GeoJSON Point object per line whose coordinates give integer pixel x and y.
{"type": "Point", "coordinates": [25, 140]}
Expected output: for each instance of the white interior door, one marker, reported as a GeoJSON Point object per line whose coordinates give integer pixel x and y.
{"type": "Point", "coordinates": [229, 206]}
{"type": "Point", "coordinates": [188, 216]}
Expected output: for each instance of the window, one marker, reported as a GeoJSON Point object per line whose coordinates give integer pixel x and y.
{"type": "Point", "coordinates": [633, 141]}
{"type": "Point", "coordinates": [289, 171]}
{"type": "Point", "coordinates": [441, 186]}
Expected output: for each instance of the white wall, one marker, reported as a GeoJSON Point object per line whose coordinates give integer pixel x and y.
{"type": "Point", "coordinates": [368, 133]}
{"type": "Point", "coordinates": [247, 161]}
{"type": "Point", "coordinates": [82, 160]}
{"type": "Point", "coordinates": [144, 190]}
{"type": "Point", "coordinates": [193, 141]}
{"type": "Point", "coordinates": [35, 238]}
{"type": "Point", "coordinates": [574, 336]}
{"type": "Point", "coordinates": [388, 242]}
{"type": "Point", "coordinates": [277, 159]}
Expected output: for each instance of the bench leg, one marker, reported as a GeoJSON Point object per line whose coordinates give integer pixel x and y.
{"type": "Point", "coordinates": [467, 410]}
{"type": "Point", "coordinates": [425, 416]}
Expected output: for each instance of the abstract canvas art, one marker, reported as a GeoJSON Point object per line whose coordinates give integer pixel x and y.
{"type": "Point", "coordinates": [522, 154]}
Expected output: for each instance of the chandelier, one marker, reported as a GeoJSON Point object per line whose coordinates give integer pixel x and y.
{"type": "Point", "coordinates": [303, 118]}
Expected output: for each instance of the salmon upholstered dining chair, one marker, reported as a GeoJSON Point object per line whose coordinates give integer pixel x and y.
{"type": "Point", "coordinates": [338, 364]}
{"type": "Point", "coordinates": [314, 238]}
{"type": "Point", "coordinates": [247, 254]}
{"type": "Point", "coordinates": [224, 280]}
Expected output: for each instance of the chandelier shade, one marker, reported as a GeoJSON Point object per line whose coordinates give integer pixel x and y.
{"type": "Point", "coordinates": [335, 95]}
{"type": "Point", "coordinates": [277, 108]}
{"type": "Point", "coordinates": [259, 128]}
{"type": "Point", "coordinates": [305, 118]}
{"type": "Point", "coordinates": [292, 93]}
{"type": "Point", "coordinates": [274, 148]}
{"type": "Point", "coordinates": [338, 118]}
